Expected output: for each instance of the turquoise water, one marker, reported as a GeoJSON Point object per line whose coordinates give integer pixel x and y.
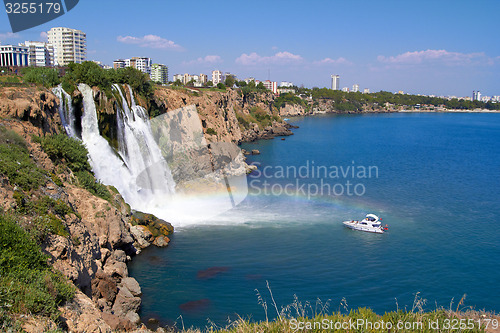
{"type": "Point", "coordinates": [437, 185]}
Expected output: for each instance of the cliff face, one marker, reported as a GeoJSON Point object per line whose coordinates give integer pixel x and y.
{"type": "Point", "coordinates": [100, 236]}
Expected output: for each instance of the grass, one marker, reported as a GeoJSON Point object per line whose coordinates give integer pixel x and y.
{"type": "Point", "coordinates": [316, 317]}
{"type": "Point", "coordinates": [28, 285]}
{"type": "Point", "coordinates": [16, 164]}
{"type": "Point", "coordinates": [64, 150]}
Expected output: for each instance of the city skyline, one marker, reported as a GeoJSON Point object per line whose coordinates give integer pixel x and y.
{"type": "Point", "coordinates": [421, 48]}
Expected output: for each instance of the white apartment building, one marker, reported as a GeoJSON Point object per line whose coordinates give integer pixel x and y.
{"type": "Point", "coordinates": [141, 63]}
{"type": "Point", "coordinates": [335, 82]}
{"type": "Point", "coordinates": [40, 54]}
{"type": "Point", "coordinates": [355, 87]}
{"type": "Point", "coordinates": [119, 63]}
{"type": "Point", "coordinates": [70, 45]}
{"type": "Point", "coordinates": [286, 84]}
{"type": "Point", "coordinates": [217, 77]}
{"type": "Point", "coordinates": [159, 73]}
{"type": "Point", "coordinates": [12, 55]}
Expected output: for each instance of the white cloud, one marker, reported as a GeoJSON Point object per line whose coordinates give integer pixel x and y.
{"type": "Point", "coordinates": [279, 58]}
{"type": "Point", "coordinates": [436, 56]}
{"type": "Point", "coordinates": [8, 35]}
{"type": "Point", "coordinates": [330, 61]}
{"type": "Point", "coordinates": [150, 41]}
{"type": "Point", "coordinates": [209, 59]}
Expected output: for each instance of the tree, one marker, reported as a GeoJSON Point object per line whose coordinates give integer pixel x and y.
{"type": "Point", "coordinates": [177, 83]}
{"type": "Point", "coordinates": [261, 86]}
{"type": "Point", "coordinates": [241, 84]}
{"type": "Point", "coordinates": [220, 85]}
{"type": "Point", "coordinates": [229, 81]}
{"type": "Point", "coordinates": [251, 84]}
{"type": "Point", "coordinates": [41, 75]}
{"type": "Point", "coordinates": [210, 84]}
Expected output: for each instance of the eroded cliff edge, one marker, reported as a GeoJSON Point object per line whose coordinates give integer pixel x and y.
{"type": "Point", "coordinates": [98, 236]}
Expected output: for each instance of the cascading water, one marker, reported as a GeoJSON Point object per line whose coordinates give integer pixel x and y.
{"type": "Point", "coordinates": [66, 111]}
{"type": "Point", "coordinates": [139, 168]}
{"type": "Point", "coordinates": [138, 152]}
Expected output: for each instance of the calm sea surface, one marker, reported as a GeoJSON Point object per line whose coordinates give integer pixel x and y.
{"type": "Point", "coordinates": [434, 178]}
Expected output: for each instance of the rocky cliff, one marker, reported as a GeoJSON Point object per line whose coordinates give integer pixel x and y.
{"type": "Point", "coordinates": [98, 236]}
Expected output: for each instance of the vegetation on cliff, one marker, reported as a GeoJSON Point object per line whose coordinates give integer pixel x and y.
{"type": "Point", "coordinates": [354, 101]}
{"type": "Point", "coordinates": [69, 152]}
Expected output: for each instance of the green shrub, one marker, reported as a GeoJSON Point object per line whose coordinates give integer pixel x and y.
{"type": "Point", "coordinates": [27, 283]}
{"type": "Point", "coordinates": [49, 77]}
{"type": "Point", "coordinates": [91, 184]}
{"type": "Point", "coordinates": [15, 162]}
{"type": "Point", "coordinates": [211, 131]}
{"type": "Point", "coordinates": [63, 149]}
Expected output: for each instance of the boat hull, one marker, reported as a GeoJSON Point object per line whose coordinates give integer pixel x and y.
{"type": "Point", "coordinates": [356, 226]}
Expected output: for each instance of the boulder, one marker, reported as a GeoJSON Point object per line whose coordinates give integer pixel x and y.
{"type": "Point", "coordinates": [161, 241]}
{"type": "Point", "coordinates": [107, 288]}
{"type": "Point", "coordinates": [142, 236]}
{"type": "Point", "coordinates": [255, 152]}
{"type": "Point", "coordinates": [126, 302]}
{"type": "Point", "coordinates": [132, 285]}
{"type": "Point", "coordinates": [115, 268]}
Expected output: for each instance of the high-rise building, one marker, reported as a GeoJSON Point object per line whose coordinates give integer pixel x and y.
{"type": "Point", "coordinates": [141, 63]}
{"type": "Point", "coordinates": [335, 82]}
{"type": "Point", "coordinates": [12, 55]}
{"type": "Point", "coordinates": [286, 84]}
{"type": "Point", "coordinates": [355, 87]}
{"type": "Point", "coordinates": [40, 54]}
{"type": "Point", "coordinates": [159, 73]}
{"type": "Point", "coordinates": [119, 63]}
{"type": "Point", "coordinates": [217, 77]}
{"type": "Point", "coordinates": [366, 91]}
{"type": "Point", "coordinates": [203, 79]}
{"type": "Point", "coordinates": [70, 45]}
{"type": "Point", "coordinates": [476, 95]}
{"type": "Point", "coordinates": [270, 85]}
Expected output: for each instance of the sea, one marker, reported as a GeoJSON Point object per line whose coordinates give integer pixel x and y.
{"type": "Point", "coordinates": [433, 178]}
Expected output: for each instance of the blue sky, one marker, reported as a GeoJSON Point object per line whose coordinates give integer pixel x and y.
{"type": "Point", "coordinates": [431, 47]}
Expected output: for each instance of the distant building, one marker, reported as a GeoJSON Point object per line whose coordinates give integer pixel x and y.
{"type": "Point", "coordinates": [345, 89]}
{"type": "Point", "coordinates": [217, 77]}
{"type": "Point", "coordinates": [270, 85]}
{"type": "Point", "coordinates": [355, 87]}
{"type": "Point", "coordinates": [40, 54]}
{"type": "Point", "coordinates": [335, 82]}
{"type": "Point", "coordinates": [119, 63]}
{"type": "Point", "coordinates": [476, 95]}
{"type": "Point", "coordinates": [249, 79]}
{"type": "Point", "coordinates": [178, 77]}
{"type": "Point", "coordinates": [285, 84]}
{"type": "Point", "coordinates": [159, 73]}
{"type": "Point", "coordinates": [229, 75]}
{"type": "Point", "coordinates": [141, 63]}
{"type": "Point", "coordinates": [203, 79]}
{"type": "Point", "coordinates": [366, 91]}
{"type": "Point", "coordinates": [286, 90]}
{"type": "Point", "coordinates": [70, 45]}
{"type": "Point", "coordinates": [12, 55]}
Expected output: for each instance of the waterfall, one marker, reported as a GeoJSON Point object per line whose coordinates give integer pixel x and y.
{"type": "Point", "coordinates": [66, 111]}
{"type": "Point", "coordinates": [137, 169]}
{"type": "Point", "coordinates": [139, 165]}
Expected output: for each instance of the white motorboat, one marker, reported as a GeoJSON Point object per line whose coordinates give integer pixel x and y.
{"type": "Point", "coordinates": [371, 223]}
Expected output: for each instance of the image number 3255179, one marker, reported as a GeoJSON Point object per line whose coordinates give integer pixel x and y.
{"type": "Point", "coordinates": [26, 14]}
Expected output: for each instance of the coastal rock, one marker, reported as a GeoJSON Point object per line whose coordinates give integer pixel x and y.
{"type": "Point", "coordinates": [82, 315]}
{"type": "Point", "coordinates": [125, 302]}
{"type": "Point", "coordinates": [255, 152]}
{"type": "Point", "coordinates": [115, 269]}
{"type": "Point", "coordinates": [161, 241]}
{"type": "Point", "coordinates": [116, 323]}
{"type": "Point", "coordinates": [142, 236]}
{"type": "Point", "coordinates": [107, 288]}
{"type": "Point", "coordinates": [132, 285]}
